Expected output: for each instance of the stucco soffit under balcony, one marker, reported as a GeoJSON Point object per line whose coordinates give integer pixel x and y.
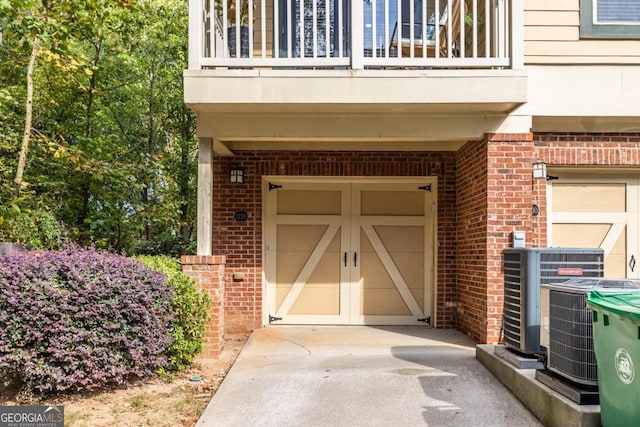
{"type": "Point", "coordinates": [352, 132]}
{"type": "Point", "coordinates": [349, 91]}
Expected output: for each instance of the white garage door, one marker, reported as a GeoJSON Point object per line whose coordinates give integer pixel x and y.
{"type": "Point", "coordinates": [597, 210]}
{"type": "Point", "coordinates": [349, 252]}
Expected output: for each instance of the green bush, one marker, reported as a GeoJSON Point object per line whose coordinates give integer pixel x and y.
{"type": "Point", "coordinates": [173, 246]}
{"type": "Point", "coordinates": [35, 228]}
{"type": "Point", "coordinates": [190, 310]}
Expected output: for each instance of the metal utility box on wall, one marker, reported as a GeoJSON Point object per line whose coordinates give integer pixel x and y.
{"type": "Point", "coordinates": [518, 239]}
{"type": "Point", "coordinates": [525, 269]}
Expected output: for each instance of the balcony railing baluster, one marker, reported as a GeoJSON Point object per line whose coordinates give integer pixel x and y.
{"type": "Point", "coordinates": [292, 34]}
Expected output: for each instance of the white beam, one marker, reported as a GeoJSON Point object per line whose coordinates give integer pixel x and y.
{"type": "Point", "coordinates": [205, 196]}
{"type": "Point", "coordinates": [235, 130]}
{"type": "Point", "coordinates": [271, 90]}
{"type": "Point", "coordinates": [221, 149]}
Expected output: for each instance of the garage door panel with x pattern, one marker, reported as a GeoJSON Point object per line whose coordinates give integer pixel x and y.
{"type": "Point", "coordinates": [349, 253]}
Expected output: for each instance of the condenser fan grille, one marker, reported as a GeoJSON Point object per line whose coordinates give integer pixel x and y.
{"type": "Point", "coordinates": [571, 337]}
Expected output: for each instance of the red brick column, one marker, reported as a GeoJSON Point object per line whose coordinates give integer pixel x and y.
{"type": "Point", "coordinates": [495, 193]}
{"type": "Point", "coordinates": [471, 239]}
{"type": "Point", "coordinates": [209, 272]}
{"type": "Point", "coordinates": [510, 198]}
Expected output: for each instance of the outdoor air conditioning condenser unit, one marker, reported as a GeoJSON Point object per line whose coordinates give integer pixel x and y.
{"type": "Point", "coordinates": [525, 269]}
{"type": "Point", "coordinates": [566, 326]}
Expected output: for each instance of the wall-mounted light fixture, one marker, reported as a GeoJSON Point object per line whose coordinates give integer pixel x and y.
{"type": "Point", "coordinates": [539, 170]}
{"type": "Point", "coordinates": [237, 175]}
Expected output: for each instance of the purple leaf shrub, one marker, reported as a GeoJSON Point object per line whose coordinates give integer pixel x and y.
{"type": "Point", "coordinates": [79, 319]}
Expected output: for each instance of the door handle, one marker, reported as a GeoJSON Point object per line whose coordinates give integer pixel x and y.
{"type": "Point", "coordinates": [355, 259]}
{"type": "Point", "coordinates": [345, 259]}
{"type": "Point", "coordinates": [632, 263]}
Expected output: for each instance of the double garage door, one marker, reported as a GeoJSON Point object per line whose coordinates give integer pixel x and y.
{"type": "Point", "coordinates": [598, 210]}
{"type": "Point", "coordinates": [349, 252]}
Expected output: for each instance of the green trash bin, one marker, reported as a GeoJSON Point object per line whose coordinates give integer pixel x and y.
{"type": "Point", "coordinates": [616, 338]}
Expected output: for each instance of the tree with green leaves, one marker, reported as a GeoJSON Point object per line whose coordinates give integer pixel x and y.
{"type": "Point", "coordinates": [112, 153]}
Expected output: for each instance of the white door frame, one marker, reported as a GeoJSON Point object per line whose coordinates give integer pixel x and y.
{"type": "Point", "coordinates": [430, 228]}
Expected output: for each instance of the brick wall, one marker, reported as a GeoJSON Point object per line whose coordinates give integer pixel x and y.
{"type": "Point", "coordinates": [581, 149]}
{"type": "Point", "coordinates": [499, 168]}
{"type": "Point", "coordinates": [209, 272]}
{"type": "Point", "coordinates": [510, 196]}
{"type": "Point", "coordinates": [494, 198]}
{"type": "Point", "coordinates": [485, 193]}
{"type": "Point", "coordinates": [241, 242]}
{"type": "Point", "coordinates": [471, 253]}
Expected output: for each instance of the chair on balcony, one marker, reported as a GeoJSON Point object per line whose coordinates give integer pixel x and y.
{"type": "Point", "coordinates": [428, 43]}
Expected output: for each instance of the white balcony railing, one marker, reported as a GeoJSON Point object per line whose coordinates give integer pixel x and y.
{"type": "Point", "coordinates": [355, 34]}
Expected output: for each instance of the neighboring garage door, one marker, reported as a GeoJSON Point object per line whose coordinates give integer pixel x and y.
{"type": "Point", "coordinates": [349, 252]}
{"type": "Point", "coordinates": [597, 210]}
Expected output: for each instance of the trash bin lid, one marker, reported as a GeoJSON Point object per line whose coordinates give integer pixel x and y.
{"type": "Point", "coordinates": [585, 284]}
{"type": "Point", "coordinates": [624, 304]}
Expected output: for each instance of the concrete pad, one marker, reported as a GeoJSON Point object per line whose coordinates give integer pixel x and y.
{"type": "Point", "coordinates": [548, 405]}
{"type": "Point", "coordinates": [361, 376]}
{"type": "Point", "coordinates": [517, 360]}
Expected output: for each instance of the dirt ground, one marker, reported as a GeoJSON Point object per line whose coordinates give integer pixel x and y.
{"type": "Point", "coordinates": [152, 402]}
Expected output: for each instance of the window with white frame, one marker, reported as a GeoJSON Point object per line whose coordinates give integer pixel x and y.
{"type": "Point", "coordinates": [610, 18]}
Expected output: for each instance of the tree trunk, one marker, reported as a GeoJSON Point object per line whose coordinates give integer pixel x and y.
{"type": "Point", "coordinates": [86, 186]}
{"type": "Point", "coordinates": [22, 160]}
{"type": "Point", "coordinates": [183, 189]}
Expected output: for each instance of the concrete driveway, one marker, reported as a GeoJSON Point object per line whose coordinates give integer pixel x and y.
{"type": "Point", "coordinates": [361, 376]}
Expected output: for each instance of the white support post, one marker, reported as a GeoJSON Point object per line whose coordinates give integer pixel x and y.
{"type": "Point", "coordinates": [205, 196]}
{"type": "Point", "coordinates": [196, 33]}
{"type": "Point", "coordinates": [517, 34]}
{"type": "Point", "coordinates": [357, 34]}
